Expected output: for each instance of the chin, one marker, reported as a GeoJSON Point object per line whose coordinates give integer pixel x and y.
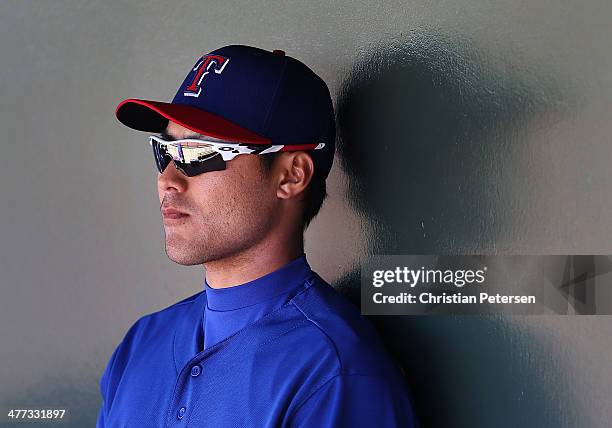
{"type": "Point", "coordinates": [183, 256]}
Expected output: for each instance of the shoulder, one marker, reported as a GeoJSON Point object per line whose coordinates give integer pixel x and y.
{"type": "Point", "coordinates": [172, 312]}
{"type": "Point", "coordinates": [155, 328]}
{"type": "Point", "coordinates": [332, 323]}
{"type": "Point", "coordinates": [162, 320]}
{"type": "Point", "coordinates": [353, 380]}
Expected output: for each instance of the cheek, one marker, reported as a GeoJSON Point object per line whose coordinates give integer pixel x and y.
{"type": "Point", "coordinates": [232, 195]}
{"type": "Point", "coordinates": [236, 194]}
{"type": "Point", "coordinates": [208, 195]}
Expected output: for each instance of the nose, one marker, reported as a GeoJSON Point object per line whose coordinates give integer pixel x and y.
{"type": "Point", "coordinates": [171, 180]}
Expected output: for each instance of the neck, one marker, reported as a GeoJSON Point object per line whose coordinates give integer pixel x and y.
{"type": "Point", "coordinates": [252, 263]}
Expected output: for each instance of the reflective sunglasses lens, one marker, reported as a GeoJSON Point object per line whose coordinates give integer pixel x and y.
{"type": "Point", "coordinates": [191, 169]}
{"type": "Point", "coordinates": [207, 162]}
{"type": "Point", "coordinates": [162, 157]}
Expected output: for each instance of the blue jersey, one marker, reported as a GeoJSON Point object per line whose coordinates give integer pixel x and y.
{"type": "Point", "coordinates": [284, 350]}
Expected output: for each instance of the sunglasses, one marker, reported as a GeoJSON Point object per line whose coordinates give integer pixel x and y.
{"type": "Point", "coordinates": [193, 156]}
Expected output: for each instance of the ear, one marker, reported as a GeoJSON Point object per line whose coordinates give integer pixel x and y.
{"type": "Point", "coordinates": [295, 172]}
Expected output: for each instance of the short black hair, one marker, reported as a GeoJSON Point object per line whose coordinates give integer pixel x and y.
{"type": "Point", "coordinates": [315, 192]}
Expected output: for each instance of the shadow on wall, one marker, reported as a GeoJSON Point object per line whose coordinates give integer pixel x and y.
{"type": "Point", "coordinates": [429, 128]}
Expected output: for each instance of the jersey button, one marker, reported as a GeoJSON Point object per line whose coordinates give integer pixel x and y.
{"type": "Point", "coordinates": [181, 412]}
{"type": "Point", "coordinates": [195, 371]}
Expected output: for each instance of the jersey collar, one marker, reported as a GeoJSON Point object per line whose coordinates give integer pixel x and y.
{"type": "Point", "coordinates": [275, 283]}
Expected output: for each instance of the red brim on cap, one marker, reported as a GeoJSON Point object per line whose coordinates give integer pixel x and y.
{"type": "Point", "coordinates": [153, 116]}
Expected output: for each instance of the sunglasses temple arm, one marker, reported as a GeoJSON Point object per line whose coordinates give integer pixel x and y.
{"type": "Point", "coordinates": [282, 148]}
{"type": "Point", "coordinates": [272, 149]}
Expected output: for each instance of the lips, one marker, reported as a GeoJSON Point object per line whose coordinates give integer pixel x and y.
{"type": "Point", "coordinates": [171, 213]}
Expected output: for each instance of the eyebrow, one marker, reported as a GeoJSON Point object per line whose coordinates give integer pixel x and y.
{"type": "Point", "coordinates": [164, 134]}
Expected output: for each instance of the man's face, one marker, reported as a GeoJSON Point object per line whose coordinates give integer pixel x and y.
{"type": "Point", "coordinates": [228, 211]}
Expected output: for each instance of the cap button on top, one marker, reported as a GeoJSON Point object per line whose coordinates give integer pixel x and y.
{"type": "Point", "coordinates": [278, 52]}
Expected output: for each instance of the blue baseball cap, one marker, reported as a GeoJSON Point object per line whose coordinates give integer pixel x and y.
{"type": "Point", "coordinates": [245, 94]}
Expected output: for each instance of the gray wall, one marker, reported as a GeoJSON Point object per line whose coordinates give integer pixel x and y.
{"type": "Point", "coordinates": [464, 127]}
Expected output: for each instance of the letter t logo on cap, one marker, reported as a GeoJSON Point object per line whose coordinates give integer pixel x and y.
{"type": "Point", "coordinates": [215, 62]}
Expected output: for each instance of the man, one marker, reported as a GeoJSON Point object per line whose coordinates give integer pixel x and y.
{"type": "Point", "coordinates": [243, 153]}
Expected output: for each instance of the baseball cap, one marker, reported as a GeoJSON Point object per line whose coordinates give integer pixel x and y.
{"type": "Point", "coordinates": [246, 94]}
